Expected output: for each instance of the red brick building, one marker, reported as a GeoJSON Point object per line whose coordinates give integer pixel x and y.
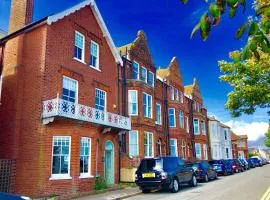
{"type": "Point", "coordinates": [66, 96]}
{"type": "Point", "coordinates": [178, 111]}
{"type": "Point", "coordinates": [60, 113]}
{"type": "Point", "coordinates": [239, 146]}
{"type": "Point", "coordinates": [144, 95]}
{"type": "Point", "coordinates": [199, 122]}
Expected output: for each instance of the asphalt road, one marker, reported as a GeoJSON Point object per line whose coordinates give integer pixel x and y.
{"type": "Point", "coordinates": [249, 185]}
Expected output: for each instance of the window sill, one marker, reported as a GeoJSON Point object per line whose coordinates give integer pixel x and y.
{"type": "Point", "coordinates": [79, 60]}
{"type": "Point", "coordinates": [95, 68]}
{"type": "Point", "coordinates": [83, 176]}
{"type": "Point", "coordinates": [67, 177]}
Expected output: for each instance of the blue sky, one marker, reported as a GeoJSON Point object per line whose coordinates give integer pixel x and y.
{"type": "Point", "coordinates": [168, 24]}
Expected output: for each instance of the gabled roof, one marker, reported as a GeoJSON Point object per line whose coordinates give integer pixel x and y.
{"type": "Point", "coordinates": [234, 136]}
{"type": "Point", "coordinates": [141, 43]}
{"type": "Point", "coordinates": [171, 72]}
{"type": "Point", "coordinates": [54, 18]}
{"type": "Point", "coordinates": [188, 90]}
{"type": "Point", "coordinates": [58, 16]}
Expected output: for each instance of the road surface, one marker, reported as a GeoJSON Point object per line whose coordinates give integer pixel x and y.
{"type": "Point", "coordinates": [249, 185]}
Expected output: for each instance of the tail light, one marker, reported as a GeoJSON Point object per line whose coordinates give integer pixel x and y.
{"type": "Point", "coordinates": [199, 170]}
{"type": "Point", "coordinates": [164, 175]}
{"type": "Point", "coordinates": [233, 166]}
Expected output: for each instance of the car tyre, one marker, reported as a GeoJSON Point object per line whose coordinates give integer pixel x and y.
{"type": "Point", "coordinates": [193, 181]}
{"type": "Point", "coordinates": [145, 191]}
{"type": "Point", "coordinates": [175, 186]}
{"type": "Point", "coordinates": [225, 173]}
{"type": "Point", "coordinates": [206, 179]}
{"type": "Point", "coordinates": [216, 176]}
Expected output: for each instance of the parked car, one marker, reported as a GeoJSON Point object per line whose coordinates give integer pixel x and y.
{"type": "Point", "coordinates": [8, 196]}
{"type": "Point", "coordinates": [257, 161]}
{"type": "Point", "coordinates": [164, 172]}
{"type": "Point", "coordinates": [251, 163]}
{"type": "Point", "coordinates": [244, 163]}
{"type": "Point", "coordinates": [204, 171]}
{"type": "Point", "coordinates": [222, 167]}
{"type": "Point", "coordinates": [236, 165]}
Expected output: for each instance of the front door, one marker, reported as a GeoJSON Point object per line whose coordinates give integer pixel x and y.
{"type": "Point", "coordinates": [109, 163]}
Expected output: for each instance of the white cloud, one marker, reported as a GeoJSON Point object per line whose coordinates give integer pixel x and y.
{"type": "Point", "coordinates": [253, 130]}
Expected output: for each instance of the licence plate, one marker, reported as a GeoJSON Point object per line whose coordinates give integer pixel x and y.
{"type": "Point", "coordinates": [149, 175]}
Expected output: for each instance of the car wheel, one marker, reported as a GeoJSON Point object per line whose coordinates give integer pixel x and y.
{"type": "Point", "coordinates": [193, 182]}
{"type": "Point", "coordinates": [216, 176]}
{"type": "Point", "coordinates": [225, 173]}
{"type": "Point", "coordinates": [206, 179]}
{"type": "Point", "coordinates": [145, 191]}
{"type": "Point", "coordinates": [175, 186]}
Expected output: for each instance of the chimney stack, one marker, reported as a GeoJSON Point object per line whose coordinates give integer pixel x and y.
{"type": "Point", "coordinates": [21, 14]}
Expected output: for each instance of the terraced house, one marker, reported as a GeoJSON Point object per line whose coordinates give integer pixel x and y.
{"type": "Point", "coordinates": [145, 105]}
{"type": "Point", "coordinates": [199, 122]}
{"type": "Point", "coordinates": [74, 107]}
{"type": "Point", "coordinates": [60, 112]}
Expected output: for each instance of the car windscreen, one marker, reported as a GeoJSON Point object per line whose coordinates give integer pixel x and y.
{"type": "Point", "coordinates": [150, 165]}
{"type": "Point", "coordinates": [216, 162]}
{"type": "Point", "coordinates": [196, 166]}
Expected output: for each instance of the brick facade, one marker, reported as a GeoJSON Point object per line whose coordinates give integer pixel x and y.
{"type": "Point", "coordinates": [34, 64]}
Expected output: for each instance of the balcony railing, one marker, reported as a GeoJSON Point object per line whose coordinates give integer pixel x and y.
{"type": "Point", "coordinates": [62, 108]}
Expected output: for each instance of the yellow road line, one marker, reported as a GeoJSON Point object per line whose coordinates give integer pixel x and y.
{"type": "Point", "coordinates": [266, 195]}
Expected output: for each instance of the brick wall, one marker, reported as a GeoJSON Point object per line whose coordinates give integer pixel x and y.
{"type": "Point", "coordinates": [34, 65]}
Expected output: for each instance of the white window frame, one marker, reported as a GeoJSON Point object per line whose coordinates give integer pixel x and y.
{"type": "Point", "coordinates": [205, 153]}
{"type": "Point", "coordinates": [172, 92]}
{"type": "Point", "coordinates": [129, 102]}
{"type": "Point", "coordinates": [182, 125]}
{"type": "Point", "coordinates": [146, 154]}
{"type": "Point", "coordinates": [83, 49]}
{"type": "Point", "coordinates": [197, 133]}
{"type": "Point", "coordinates": [203, 130]}
{"type": "Point", "coordinates": [225, 135]}
{"type": "Point", "coordinates": [105, 96]}
{"type": "Point", "coordinates": [159, 122]}
{"type": "Point", "coordinates": [153, 83]}
{"type": "Point", "coordinates": [138, 75]}
{"type": "Point", "coordinates": [181, 97]}
{"type": "Point", "coordinates": [88, 174]}
{"type": "Point", "coordinates": [187, 124]}
{"type": "Point", "coordinates": [97, 67]}
{"type": "Point", "coordinates": [198, 155]}
{"type": "Point", "coordinates": [143, 68]}
{"type": "Point", "coordinates": [147, 113]}
{"type": "Point", "coordinates": [176, 146]}
{"type": "Point", "coordinates": [77, 87]}
{"type": "Point", "coordinates": [176, 94]}
{"type": "Point", "coordinates": [183, 148]}
{"type": "Point", "coordinates": [129, 139]}
{"type": "Point", "coordinates": [61, 176]}
{"type": "Point", "coordinates": [173, 117]}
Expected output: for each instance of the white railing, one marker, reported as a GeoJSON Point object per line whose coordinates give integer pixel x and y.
{"type": "Point", "coordinates": [62, 108]}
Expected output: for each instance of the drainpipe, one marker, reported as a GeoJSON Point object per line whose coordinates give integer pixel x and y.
{"type": "Point", "coordinates": [192, 128]}
{"type": "Point", "coordinates": [97, 147]}
{"type": "Point", "coordinates": [1, 69]}
{"type": "Point", "coordinates": [165, 118]}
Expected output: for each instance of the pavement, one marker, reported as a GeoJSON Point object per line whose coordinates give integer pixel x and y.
{"type": "Point", "coordinates": [253, 184]}
{"type": "Point", "coordinates": [113, 195]}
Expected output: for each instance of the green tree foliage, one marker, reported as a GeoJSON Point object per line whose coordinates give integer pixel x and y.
{"type": "Point", "coordinates": [267, 137]}
{"type": "Point", "coordinates": [253, 154]}
{"type": "Point", "coordinates": [248, 72]}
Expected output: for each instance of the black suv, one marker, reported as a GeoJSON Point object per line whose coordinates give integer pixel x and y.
{"type": "Point", "coordinates": [164, 172]}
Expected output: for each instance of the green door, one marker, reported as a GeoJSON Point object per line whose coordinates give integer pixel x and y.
{"type": "Point", "coordinates": [109, 163]}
